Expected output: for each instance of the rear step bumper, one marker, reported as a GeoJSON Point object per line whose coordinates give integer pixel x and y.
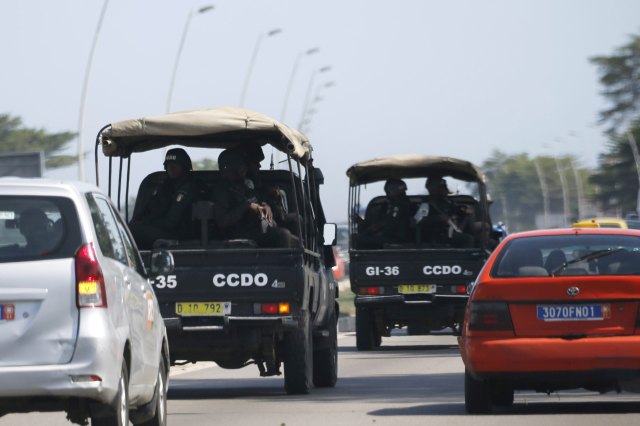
{"type": "Point", "coordinates": [401, 299]}
{"type": "Point", "coordinates": [287, 321]}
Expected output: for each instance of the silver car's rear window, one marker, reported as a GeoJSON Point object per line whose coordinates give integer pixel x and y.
{"type": "Point", "coordinates": [37, 228]}
{"type": "Point", "coordinates": [569, 255]}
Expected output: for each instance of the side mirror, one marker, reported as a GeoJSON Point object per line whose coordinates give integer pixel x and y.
{"type": "Point", "coordinates": [330, 234]}
{"type": "Point", "coordinates": [162, 262]}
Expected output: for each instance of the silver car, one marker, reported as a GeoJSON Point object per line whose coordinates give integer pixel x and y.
{"type": "Point", "coordinates": [80, 327]}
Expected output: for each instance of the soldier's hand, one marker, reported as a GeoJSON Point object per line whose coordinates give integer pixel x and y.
{"type": "Point", "coordinates": [266, 212]}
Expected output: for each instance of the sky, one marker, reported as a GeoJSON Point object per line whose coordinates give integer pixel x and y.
{"type": "Point", "coordinates": [460, 78]}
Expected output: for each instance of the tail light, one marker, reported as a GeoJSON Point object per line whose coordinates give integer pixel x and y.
{"type": "Point", "coordinates": [489, 316]}
{"type": "Point", "coordinates": [459, 289]}
{"type": "Point", "coordinates": [272, 308]}
{"type": "Point", "coordinates": [90, 290]}
{"type": "Point", "coordinates": [371, 291]}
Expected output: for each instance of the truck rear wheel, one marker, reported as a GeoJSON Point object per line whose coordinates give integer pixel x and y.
{"type": "Point", "coordinates": [298, 358]}
{"type": "Point", "coordinates": [325, 360]}
{"type": "Point", "coordinates": [366, 338]}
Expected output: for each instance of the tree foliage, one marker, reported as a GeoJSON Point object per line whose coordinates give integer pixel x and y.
{"type": "Point", "coordinates": [620, 77]}
{"type": "Point", "coordinates": [14, 137]}
{"type": "Point", "coordinates": [616, 178]}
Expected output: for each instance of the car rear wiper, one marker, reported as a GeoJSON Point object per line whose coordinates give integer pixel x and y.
{"type": "Point", "coordinates": [591, 256]}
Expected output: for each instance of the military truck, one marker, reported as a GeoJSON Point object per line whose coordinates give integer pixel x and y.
{"type": "Point", "coordinates": [420, 284]}
{"type": "Point", "coordinates": [231, 301]}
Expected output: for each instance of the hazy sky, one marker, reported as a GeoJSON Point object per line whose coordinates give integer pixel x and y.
{"type": "Point", "coordinates": [458, 78]}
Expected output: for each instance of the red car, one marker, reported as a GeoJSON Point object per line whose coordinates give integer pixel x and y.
{"type": "Point", "coordinates": [551, 310]}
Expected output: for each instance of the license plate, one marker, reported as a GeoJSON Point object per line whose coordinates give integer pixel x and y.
{"type": "Point", "coordinates": [213, 309]}
{"type": "Point", "coordinates": [417, 288]}
{"type": "Point", "coordinates": [7, 312]}
{"type": "Point", "coordinates": [574, 312]}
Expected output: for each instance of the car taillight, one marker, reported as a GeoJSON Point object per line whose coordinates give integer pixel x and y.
{"type": "Point", "coordinates": [372, 291]}
{"type": "Point", "coordinates": [492, 316]}
{"type": "Point", "coordinates": [90, 290]}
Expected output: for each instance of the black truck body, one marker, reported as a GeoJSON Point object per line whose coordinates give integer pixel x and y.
{"type": "Point", "coordinates": [417, 284]}
{"type": "Point", "coordinates": [230, 301]}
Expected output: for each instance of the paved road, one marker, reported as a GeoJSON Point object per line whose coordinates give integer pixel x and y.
{"type": "Point", "coordinates": [409, 381]}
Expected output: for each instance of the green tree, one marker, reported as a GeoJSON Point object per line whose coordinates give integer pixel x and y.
{"type": "Point", "coordinates": [205, 164]}
{"type": "Point", "coordinates": [616, 177]}
{"type": "Point", "coordinates": [620, 77]}
{"type": "Point", "coordinates": [14, 137]}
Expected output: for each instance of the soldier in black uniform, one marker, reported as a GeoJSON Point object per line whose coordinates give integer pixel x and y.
{"type": "Point", "coordinates": [166, 214]}
{"type": "Point", "coordinates": [388, 222]}
{"type": "Point", "coordinates": [447, 223]}
{"type": "Point", "coordinates": [238, 212]}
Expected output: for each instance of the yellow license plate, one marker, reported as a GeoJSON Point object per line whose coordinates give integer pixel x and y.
{"type": "Point", "coordinates": [203, 308]}
{"type": "Point", "coordinates": [417, 288]}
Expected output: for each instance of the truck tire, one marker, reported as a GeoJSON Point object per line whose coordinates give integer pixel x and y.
{"type": "Point", "coordinates": [366, 339]}
{"type": "Point", "coordinates": [325, 360]}
{"type": "Point", "coordinates": [298, 358]}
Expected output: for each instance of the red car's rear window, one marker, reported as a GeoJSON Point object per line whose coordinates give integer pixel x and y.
{"type": "Point", "coordinates": [569, 255]}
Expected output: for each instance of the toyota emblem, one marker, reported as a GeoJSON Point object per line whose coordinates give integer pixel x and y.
{"type": "Point", "coordinates": [573, 291]}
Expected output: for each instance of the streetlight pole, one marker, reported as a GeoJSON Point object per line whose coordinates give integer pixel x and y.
{"type": "Point", "coordinates": [306, 98]}
{"type": "Point", "coordinates": [579, 190]}
{"type": "Point", "coordinates": [563, 186]}
{"type": "Point", "coordinates": [545, 192]}
{"type": "Point", "coordinates": [291, 78]}
{"type": "Point", "coordinates": [636, 157]}
{"type": "Point", "coordinates": [253, 60]}
{"type": "Point", "coordinates": [306, 118]}
{"type": "Point", "coordinates": [83, 96]}
{"type": "Point", "coordinates": [175, 65]}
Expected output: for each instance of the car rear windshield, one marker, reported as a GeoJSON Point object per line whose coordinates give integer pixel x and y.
{"type": "Point", "coordinates": [34, 228]}
{"type": "Point", "coordinates": [569, 255]}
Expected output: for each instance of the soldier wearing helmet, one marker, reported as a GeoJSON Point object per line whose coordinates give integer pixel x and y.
{"type": "Point", "coordinates": [167, 212]}
{"type": "Point", "coordinates": [238, 212]}
{"type": "Point", "coordinates": [388, 222]}
{"type": "Point", "coordinates": [447, 223]}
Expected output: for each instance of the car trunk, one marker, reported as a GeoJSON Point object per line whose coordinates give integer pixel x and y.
{"type": "Point", "coordinates": [575, 307]}
{"type": "Point", "coordinates": [39, 317]}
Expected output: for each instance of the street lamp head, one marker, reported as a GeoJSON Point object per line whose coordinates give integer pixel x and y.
{"type": "Point", "coordinates": [329, 84]}
{"type": "Point", "coordinates": [312, 51]}
{"type": "Point", "coordinates": [205, 9]}
{"type": "Point", "coordinates": [325, 68]}
{"type": "Point", "coordinates": [274, 32]}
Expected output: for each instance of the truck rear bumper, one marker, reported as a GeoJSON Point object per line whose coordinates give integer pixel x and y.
{"type": "Point", "coordinates": [401, 299]}
{"type": "Point", "coordinates": [287, 321]}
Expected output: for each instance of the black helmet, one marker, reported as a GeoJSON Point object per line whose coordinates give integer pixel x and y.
{"type": "Point", "coordinates": [180, 156]}
{"type": "Point", "coordinates": [254, 152]}
{"type": "Point", "coordinates": [436, 181]}
{"type": "Point", "coordinates": [398, 183]}
{"type": "Point", "coordinates": [230, 159]}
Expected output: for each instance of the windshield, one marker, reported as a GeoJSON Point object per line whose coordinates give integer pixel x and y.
{"type": "Point", "coordinates": [569, 255]}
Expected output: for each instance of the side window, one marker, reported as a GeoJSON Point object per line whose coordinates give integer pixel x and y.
{"type": "Point", "coordinates": [130, 248]}
{"type": "Point", "coordinates": [106, 228]}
